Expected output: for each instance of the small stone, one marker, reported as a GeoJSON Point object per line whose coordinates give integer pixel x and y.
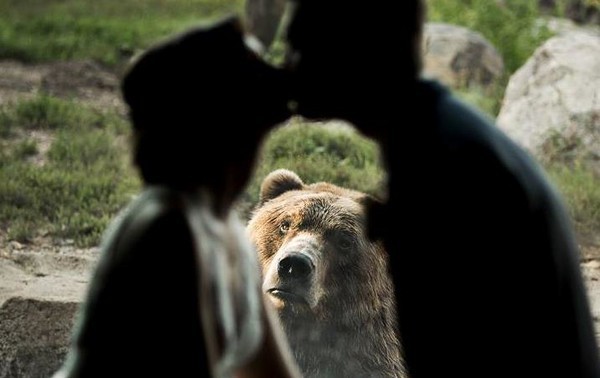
{"type": "Point", "coordinates": [15, 245]}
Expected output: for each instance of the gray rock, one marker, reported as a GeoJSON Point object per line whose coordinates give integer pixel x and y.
{"type": "Point", "coordinates": [460, 57]}
{"type": "Point", "coordinates": [552, 103]}
{"type": "Point", "coordinates": [34, 336]}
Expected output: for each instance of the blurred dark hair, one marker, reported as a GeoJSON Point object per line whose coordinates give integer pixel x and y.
{"type": "Point", "coordinates": [352, 24]}
{"type": "Point", "coordinates": [198, 102]}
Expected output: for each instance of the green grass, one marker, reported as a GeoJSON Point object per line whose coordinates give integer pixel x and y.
{"type": "Point", "coordinates": [50, 113]}
{"type": "Point", "coordinates": [580, 188]}
{"type": "Point", "coordinates": [85, 180]}
{"type": "Point", "coordinates": [488, 101]}
{"type": "Point", "coordinates": [108, 31]}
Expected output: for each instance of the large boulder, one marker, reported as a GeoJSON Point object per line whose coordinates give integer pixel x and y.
{"type": "Point", "coordinates": [34, 336]}
{"type": "Point", "coordinates": [552, 103]}
{"type": "Point", "coordinates": [460, 57]}
{"type": "Point", "coordinates": [40, 292]}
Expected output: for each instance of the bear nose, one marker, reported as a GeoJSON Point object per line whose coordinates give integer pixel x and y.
{"type": "Point", "coordinates": [294, 266]}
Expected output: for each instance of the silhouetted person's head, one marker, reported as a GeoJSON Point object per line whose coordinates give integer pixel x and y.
{"type": "Point", "coordinates": [200, 104]}
{"type": "Point", "coordinates": [344, 52]}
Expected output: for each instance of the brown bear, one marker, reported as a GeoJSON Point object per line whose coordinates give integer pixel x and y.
{"type": "Point", "coordinates": [328, 282]}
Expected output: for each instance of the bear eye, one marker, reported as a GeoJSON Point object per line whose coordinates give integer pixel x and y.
{"type": "Point", "coordinates": [284, 227]}
{"type": "Point", "coordinates": [345, 242]}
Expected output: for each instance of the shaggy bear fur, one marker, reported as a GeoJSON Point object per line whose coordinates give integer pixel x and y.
{"type": "Point", "coordinates": [329, 283]}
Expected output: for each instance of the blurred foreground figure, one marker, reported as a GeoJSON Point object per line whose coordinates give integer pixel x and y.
{"type": "Point", "coordinates": [482, 252]}
{"type": "Point", "coordinates": [263, 18]}
{"type": "Point", "coordinates": [176, 292]}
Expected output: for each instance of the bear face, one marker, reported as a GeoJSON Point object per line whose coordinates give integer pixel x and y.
{"type": "Point", "coordinates": [329, 283]}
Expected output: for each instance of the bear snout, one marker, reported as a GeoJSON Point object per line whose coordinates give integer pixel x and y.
{"type": "Point", "coordinates": [290, 281]}
{"type": "Point", "coordinates": [295, 266]}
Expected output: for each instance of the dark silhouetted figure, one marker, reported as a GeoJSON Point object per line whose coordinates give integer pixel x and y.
{"type": "Point", "coordinates": [176, 292]}
{"type": "Point", "coordinates": [485, 265]}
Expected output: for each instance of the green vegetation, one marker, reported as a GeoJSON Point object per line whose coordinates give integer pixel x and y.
{"type": "Point", "coordinates": [487, 101]}
{"type": "Point", "coordinates": [81, 181]}
{"type": "Point", "coordinates": [108, 31]}
{"type": "Point", "coordinates": [65, 169]}
{"type": "Point", "coordinates": [49, 113]}
{"type": "Point", "coordinates": [324, 153]}
{"type": "Point", "coordinates": [580, 188]}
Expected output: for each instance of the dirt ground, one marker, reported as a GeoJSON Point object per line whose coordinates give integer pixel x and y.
{"type": "Point", "coordinates": [60, 272]}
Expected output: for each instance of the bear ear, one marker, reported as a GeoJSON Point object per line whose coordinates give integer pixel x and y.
{"type": "Point", "coordinates": [278, 182]}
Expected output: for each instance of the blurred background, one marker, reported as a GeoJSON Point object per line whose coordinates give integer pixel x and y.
{"type": "Point", "coordinates": [65, 168]}
{"type": "Point", "coordinates": [64, 157]}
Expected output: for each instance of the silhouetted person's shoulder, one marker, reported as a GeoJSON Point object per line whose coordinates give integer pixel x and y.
{"type": "Point", "coordinates": [464, 128]}
{"type": "Point", "coordinates": [139, 280]}
{"type": "Point", "coordinates": [483, 217]}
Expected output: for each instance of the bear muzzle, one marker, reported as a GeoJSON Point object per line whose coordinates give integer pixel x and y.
{"type": "Point", "coordinates": [290, 280]}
